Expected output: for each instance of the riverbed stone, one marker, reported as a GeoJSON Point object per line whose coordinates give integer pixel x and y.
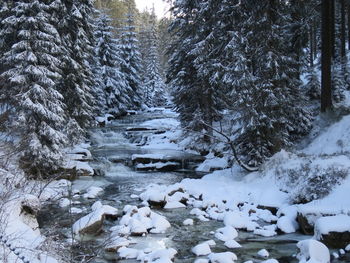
{"type": "Point", "coordinates": [305, 226]}
{"type": "Point", "coordinates": [336, 239]}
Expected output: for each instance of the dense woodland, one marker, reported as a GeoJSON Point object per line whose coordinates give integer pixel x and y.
{"type": "Point", "coordinates": [263, 68]}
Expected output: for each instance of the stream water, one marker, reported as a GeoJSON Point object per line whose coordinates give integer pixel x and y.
{"type": "Point", "coordinates": [111, 153]}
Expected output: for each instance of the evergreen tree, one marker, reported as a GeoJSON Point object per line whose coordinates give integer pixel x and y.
{"type": "Point", "coordinates": [77, 84]}
{"type": "Point", "coordinates": [131, 62]}
{"type": "Point", "coordinates": [154, 87]}
{"type": "Point", "coordinates": [192, 72]}
{"type": "Point", "coordinates": [271, 107]}
{"type": "Point", "coordinates": [31, 73]}
{"type": "Point", "coordinates": [114, 85]}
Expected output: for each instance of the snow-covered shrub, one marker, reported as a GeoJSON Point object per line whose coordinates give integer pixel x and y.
{"type": "Point", "coordinates": [308, 180]}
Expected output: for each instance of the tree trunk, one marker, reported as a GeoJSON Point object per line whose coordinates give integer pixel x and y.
{"type": "Point", "coordinates": [343, 31]}
{"type": "Point", "coordinates": [327, 48]}
{"type": "Point", "coordinates": [332, 25]}
{"type": "Point", "coordinates": [311, 36]}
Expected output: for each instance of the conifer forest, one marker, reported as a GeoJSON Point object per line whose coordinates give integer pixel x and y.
{"type": "Point", "coordinates": [158, 131]}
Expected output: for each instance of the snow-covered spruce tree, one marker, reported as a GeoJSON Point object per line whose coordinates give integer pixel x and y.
{"type": "Point", "coordinates": [31, 71]}
{"type": "Point", "coordinates": [114, 85]}
{"type": "Point", "coordinates": [154, 87]}
{"type": "Point", "coordinates": [76, 30]}
{"type": "Point", "coordinates": [131, 61]}
{"type": "Point", "coordinates": [267, 93]}
{"type": "Point", "coordinates": [193, 67]}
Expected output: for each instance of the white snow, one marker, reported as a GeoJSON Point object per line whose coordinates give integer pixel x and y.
{"type": "Point", "coordinates": [188, 222]}
{"type": "Point", "coordinates": [202, 249]}
{"type": "Point", "coordinates": [226, 233]}
{"type": "Point", "coordinates": [92, 192]}
{"type": "Point", "coordinates": [263, 253]}
{"type": "Point", "coordinates": [174, 204]}
{"type": "Point", "coordinates": [338, 223]}
{"type": "Point", "coordinates": [212, 163]}
{"type": "Point", "coordinates": [347, 248]}
{"type": "Point", "coordinates": [232, 244]}
{"type": "Point", "coordinates": [335, 140]}
{"type": "Point", "coordinates": [313, 251]}
{"type": "Point", "coordinates": [224, 257]}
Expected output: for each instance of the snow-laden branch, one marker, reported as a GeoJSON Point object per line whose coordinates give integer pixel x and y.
{"type": "Point", "coordinates": [234, 152]}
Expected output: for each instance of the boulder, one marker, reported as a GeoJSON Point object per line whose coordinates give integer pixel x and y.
{"type": "Point", "coordinates": [334, 231]}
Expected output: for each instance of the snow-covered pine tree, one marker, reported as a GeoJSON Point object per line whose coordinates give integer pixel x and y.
{"type": "Point", "coordinates": [114, 84]}
{"type": "Point", "coordinates": [76, 31]}
{"type": "Point", "coordinates": [154, 87]}
{"type": "Point", "coordinates": [31, 71]}
{"type": "Point", "coordinates": [271, 107]}
{"type": "Point", "coordinates": [192, 73]}
{"type": "Point", "coordinates": [131, 61]}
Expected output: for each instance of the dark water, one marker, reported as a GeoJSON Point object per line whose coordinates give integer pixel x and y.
{"type": "Point", "coordinates": [112, 152]}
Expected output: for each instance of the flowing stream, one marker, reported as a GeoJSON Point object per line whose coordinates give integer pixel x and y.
{"type": "Point", "coordinates": [111, 152]}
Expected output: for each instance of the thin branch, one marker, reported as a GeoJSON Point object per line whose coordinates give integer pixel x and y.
{"type": "Point", "coordinates": [230, 142]}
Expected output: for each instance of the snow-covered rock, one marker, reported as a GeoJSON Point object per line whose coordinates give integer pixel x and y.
{"type": "Point", "coordinates": [92, 192]}
{"type": "Point", "coordinates": [334, 231]}
{"type": "Point", "coordinates": [226, 233]}
{"type": "Point", "coordinates": [224, 257]}
{"type": "Point", "coordinates": [202, 249]}
{"type": "Point", "coordinates": [92, 223]}
{"type": "Point", "coordinates": [232, 244]}
{"type": "Point", "coordinates": [263, 253]}
{"type": "Point", "coordinates": [188, 222]}
{"type": "Point", "coordinates": [313, 251]}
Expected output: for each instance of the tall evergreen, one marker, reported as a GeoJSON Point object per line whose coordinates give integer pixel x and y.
{"type": "Point", "coordinates": [192, 70]}
{"type": "Point", "coordinates": [113, 82]}
{"type": "Point", "coordinates": [131, 59]}
{"type": "Point", "coordinates": [76, 86]}
{"type": "Point", "coordinates": [154, 87]}
{"type": "Point", "coordinates": [32, 69]}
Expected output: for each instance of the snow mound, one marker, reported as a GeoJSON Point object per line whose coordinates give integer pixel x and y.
{"type": "Point", "coordinates": [335, 140]}
{"type": "Point", "coordinates": [224, 257]}
{"type": "Point", "coordinates": [313, 251]}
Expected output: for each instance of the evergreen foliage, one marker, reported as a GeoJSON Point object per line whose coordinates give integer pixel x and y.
{"type": "Point", "coordinates": [131, 62]}
{"type": "Point", "coordinates": [112, 82]}
{"type": "Point", "coordinates": [31, 73]}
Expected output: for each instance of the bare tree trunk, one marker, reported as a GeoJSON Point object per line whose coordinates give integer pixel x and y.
{"type": "Point", "coordinates": [327, 50]}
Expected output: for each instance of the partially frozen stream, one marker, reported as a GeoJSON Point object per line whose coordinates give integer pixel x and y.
{"type": "Point", "coordinates": [112, 157]}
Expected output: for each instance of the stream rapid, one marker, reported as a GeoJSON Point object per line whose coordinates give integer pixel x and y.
{"type": "Point", "coordinates": [112, 148]}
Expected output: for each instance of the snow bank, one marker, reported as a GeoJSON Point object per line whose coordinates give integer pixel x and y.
{"type": "Point", "coordinates": [335, 140]}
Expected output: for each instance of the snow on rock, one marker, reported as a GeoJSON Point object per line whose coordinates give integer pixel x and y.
{"type": "Point", "coordinates": [224, 257]}
{"type": "Point", "coordinates": [92, 192]}
{"type": "Point", "coordinates": [188, 222]}
{"type": "Point", "coordinates": [338, 223]}
{"type": "Point", "coordinates": [239, 220]}
{"type": "Point", "coordinates": [202, 249]}
{"type": "Point", "coordinates": [263, 253]}
{"type": "Point", "coordinates": [266, 231]}
{"type": "Point", "coordinates": [117, 242]}
{"type": "Point", "coordinates": [165, 255]}
{"type": "Point", "coordinates": [347, 248]}
{"type": "Point", "coordinates": [313, 251]}
{"type": "Point", "coordinates": [128, 253]}
{"type": "Point", "coordinates": [140, 221]}
{"type": "Point", "coordinates": [64, 202]}
{"type": "Point", "coordinates": [212, 163]}
{"type": "Point", "coordinates": [334, 231]}
{"type": "Point", "coordinates": [232, 244]}
{"type": "Point", "coordinates": [201, 260]}
{"type": "Point", "coordinates": [174, 204]}
{"type": "Point", "coordinates": [92, 223]}
{"type": "Point", "coordinates": [272, 260]}
{"type": "Point", "coordinates": [226, 233]}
